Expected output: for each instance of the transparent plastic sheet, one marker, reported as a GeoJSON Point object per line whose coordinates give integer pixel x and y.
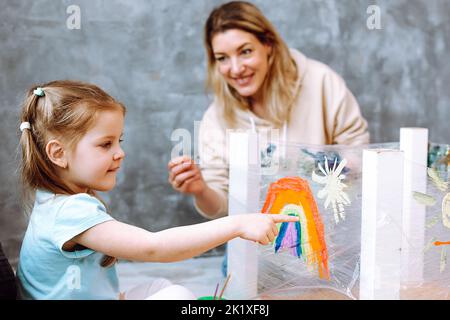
{"type": "Point", "coordinates": [432, 274]}
{"type": "Point", "coordinates": [282, 275]}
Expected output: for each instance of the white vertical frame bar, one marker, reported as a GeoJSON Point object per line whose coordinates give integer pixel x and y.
{"type": "Point", "coordinates": [381, 229]}
{"type": "Point", "coordinates": [414, 144]}
{"type": "Point", "coordinates": [243, 190]}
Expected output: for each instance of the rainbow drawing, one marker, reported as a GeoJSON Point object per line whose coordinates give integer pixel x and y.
{"type": "Point", "coordinates": [292, 196]}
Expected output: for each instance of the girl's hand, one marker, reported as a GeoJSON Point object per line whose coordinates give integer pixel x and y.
{"type": "Point", "coordinates": [261, 228]}
{"type": "Point", "coordinates": [185, 176]}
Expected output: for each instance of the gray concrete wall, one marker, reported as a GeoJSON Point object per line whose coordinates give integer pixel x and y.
{"type": "Point", "coordinates": [149, 55]}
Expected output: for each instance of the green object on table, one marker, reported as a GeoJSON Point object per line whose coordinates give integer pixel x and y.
{"type": "Point", "coordinates": [210, 298]}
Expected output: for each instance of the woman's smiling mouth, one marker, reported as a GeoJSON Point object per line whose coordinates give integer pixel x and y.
{"type": "Point", "coordinates": [243, 81]}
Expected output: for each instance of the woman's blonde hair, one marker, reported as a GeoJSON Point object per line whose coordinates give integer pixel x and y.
{"type": "Point", "coordinates": [278, 88]}
{"type": "Point", "coordinates": [65, 111]}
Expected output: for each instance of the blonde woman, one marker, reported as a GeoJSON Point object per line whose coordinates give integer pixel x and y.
{"type": "Point", "coordinates": [258, 83]}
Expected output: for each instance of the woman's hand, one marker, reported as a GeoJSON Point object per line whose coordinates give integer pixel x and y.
{"type": "Point", "coordinates": [261, 228]}
{"type": "Point", "coordinates": [185, 176]}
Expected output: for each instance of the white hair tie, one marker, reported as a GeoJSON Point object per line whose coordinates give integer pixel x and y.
{"type": "Point", "coordinates": [25, 125]}
{"type": "Point", "coordinates": [39, 92]}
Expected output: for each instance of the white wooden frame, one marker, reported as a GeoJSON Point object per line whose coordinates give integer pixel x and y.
{"type": "Point", "coordinates": [389, 216]}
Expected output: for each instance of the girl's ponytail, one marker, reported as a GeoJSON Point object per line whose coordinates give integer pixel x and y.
{"type": "Point", "coordinates": [28, 149]}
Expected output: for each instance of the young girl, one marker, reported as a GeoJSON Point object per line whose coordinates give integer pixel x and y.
{"type": "Point", "coordinates": [71, 135]}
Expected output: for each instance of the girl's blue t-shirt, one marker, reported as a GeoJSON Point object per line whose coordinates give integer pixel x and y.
{"type": "Point", "coordinates": [45, 270]}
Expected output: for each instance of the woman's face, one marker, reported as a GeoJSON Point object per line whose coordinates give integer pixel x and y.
{"type": "Point", "coordinates": [242, 60]}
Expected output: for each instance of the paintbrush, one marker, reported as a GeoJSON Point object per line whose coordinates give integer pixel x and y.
{"type": "Point", "coordinates": [224, 286]}
{"type": "Point", "coordinates": [215, 292]}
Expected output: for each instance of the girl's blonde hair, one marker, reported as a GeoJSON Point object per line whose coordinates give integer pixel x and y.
{"type": "Point", "coordinates": [278, 88]}
{"type": "Point", "coordinates": [66, 111]}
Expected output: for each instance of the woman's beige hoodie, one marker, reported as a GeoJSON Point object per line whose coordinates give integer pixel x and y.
{"type": "Point", "coordinates": [324, 112]}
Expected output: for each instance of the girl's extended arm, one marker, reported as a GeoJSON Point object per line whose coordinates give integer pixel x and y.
{"type": "Point", "coordinates": [128, 242]}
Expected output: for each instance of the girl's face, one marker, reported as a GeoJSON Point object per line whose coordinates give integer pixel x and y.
{"type": "Point", "coordinates": [242, 60]}
{"type": "Point", "coordinates": [98, 155]}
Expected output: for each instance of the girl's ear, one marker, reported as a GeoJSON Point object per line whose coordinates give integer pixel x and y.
{"type": "Point", "coordinates": [56, 153]}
